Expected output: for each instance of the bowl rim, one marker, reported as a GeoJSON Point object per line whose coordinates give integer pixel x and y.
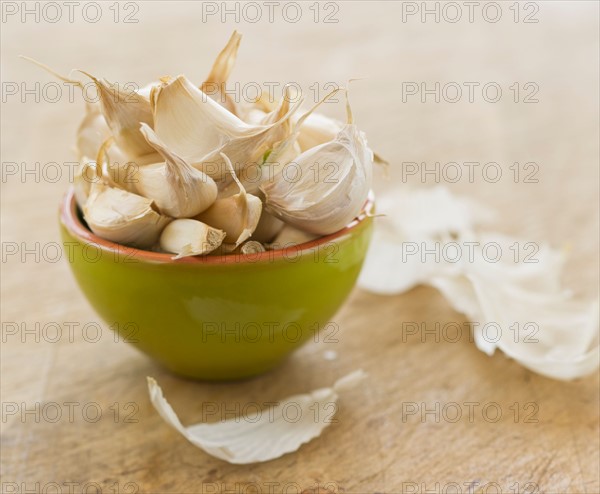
{"type": "Point", "coordinates": [70, 220]}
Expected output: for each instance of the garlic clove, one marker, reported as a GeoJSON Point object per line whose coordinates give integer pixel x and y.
{"type": "Point", "coordinates": [123, 112]}
{"type": "Point", "coordinates": [118, 113]}
{"type": "Point", "coordinates": [122, 217]}
{"type": "Point", "coordinates": [183, 112]}
{"type": "Point", "coordinates": [260, 157]}
{"type": "Point", "coordinates": [190, 123]}
{"type": "Point", "coordinates": [252, 247]}
{"type": "Point", "coordinates": [85, 175]}
{"type": "Point", "coordinates": [178, 189]}
{"type": "Point", "coordinates": [254, 175]}
{"type": "Point", "coordinates": [237, 215]}
{"type": "Point", "coordinates": [268, 227]}
{"type": "Point", "coordinates": [114, 169]}
{"type": "Point", "coordinates": [318, 129]}
{"type": "Point", "coordinates": [187, 237]}
{"type": "Point", "coordinates": [214, 85]}
{"type": "Point", "coordinates": [92, 132]}
{"type": "Point", "coordinates": [92, 135]}
{"type": "Point", "coordinates": [326, 187]}
{"type": "Point", "coordinates": [284, 151]}
{"type": "Point", "coordinates": [290, 237]}
{"type": "Point", "coordinates": [255, 112]}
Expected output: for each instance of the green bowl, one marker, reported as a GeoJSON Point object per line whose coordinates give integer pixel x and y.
{"type": "Point", "coordinates": [217, 317]}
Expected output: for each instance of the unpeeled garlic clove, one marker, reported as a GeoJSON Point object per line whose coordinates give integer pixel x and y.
{"type": "Point", "coordinates": [187, 237]}
{"type": "Point", "coordinates": [257, 111]}
{"type": "Point", "coordinates": [269, 152]}
{"type": "Point", "coordinates": [198, 129]}
{"type": "Point", "coordinates": [123, 112]}
{"type": "Point", "coordinates": [85, 175]}
{"type": "Point", "coordinates": [177, 188]}
{"type": "Point", "coordinates": [268, 227]}
{"type": "Point", "coordinates": [326, 187]}
{"type": "Point", "coordinates": [190, 123]}
{"type": "Point", "coordinates": [254, 175]}
{"type": "Point", "coordinates": [118, 113]}
{"type": "Point", "coordinates": [252, 247]}
{"type": "Point", "coordinates": [92, 132]}
{"type": "Point", "coordinates": [122, 217]}
{"type": "Point", "coordinates": [290, 237]}
{"type": "Point", "coordinates": [237, 215]}
{"type": "Point", "coordinates": [317, 129]}
{"type": "Point", "coordinates": [114, 169]}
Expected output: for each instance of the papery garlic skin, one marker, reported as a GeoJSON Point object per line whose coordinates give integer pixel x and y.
{"type": "Point", "coordinates": [324, 188]}
{"type": "Point", "coordinates": [237, 215]}
{"type": "Point", "coordinates": [423, 216]}
{"type": "Point", "coordinates": [187, 237]}
{"type": "Point", "coordinates": [529, 315]}
{"type": "Point", "coordinates": [245, 440]}
{"type": "Point", "coordinates": [178, 189]}
{"type": "Point", "coordinates": [558, 335]}
{"type": "Point", "coordinates": [123, 217]}
{"type": "Point", "coordinates": [215, 84]}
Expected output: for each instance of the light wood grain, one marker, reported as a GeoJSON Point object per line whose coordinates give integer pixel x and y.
{"type": "Point", "coordinates": [374, 446]}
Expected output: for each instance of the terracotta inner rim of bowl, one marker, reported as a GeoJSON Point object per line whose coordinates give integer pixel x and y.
{"type": "Point", "coordinates": [70, 218]}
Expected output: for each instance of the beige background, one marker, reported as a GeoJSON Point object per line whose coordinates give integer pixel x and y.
{"type": "Point", "coordinates": [370, 448]}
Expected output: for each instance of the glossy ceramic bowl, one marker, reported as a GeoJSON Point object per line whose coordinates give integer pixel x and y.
{"type": "Point", "coordinates": [216, 317]}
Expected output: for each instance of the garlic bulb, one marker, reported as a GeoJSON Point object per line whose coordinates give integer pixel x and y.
{"type": "Point", "coordinates": [236, 215]}
{"type": "Point", "coordinates": [186, 237]}
{"type": "Point", "coordinates": [214, 85]}
{"type": "Point", "coordinates": [122, 216]}
{"type": "Point", "coordinates": [178, 189]}
{"type": "Point", "coordinates": [326, 187]}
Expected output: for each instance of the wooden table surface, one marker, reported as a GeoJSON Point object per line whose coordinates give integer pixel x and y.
{"type": "Point", "coordinates": [546, 439]}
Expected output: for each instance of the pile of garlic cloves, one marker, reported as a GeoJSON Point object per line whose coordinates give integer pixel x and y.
{"type": "Point", "coordinates": [170, 168]}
